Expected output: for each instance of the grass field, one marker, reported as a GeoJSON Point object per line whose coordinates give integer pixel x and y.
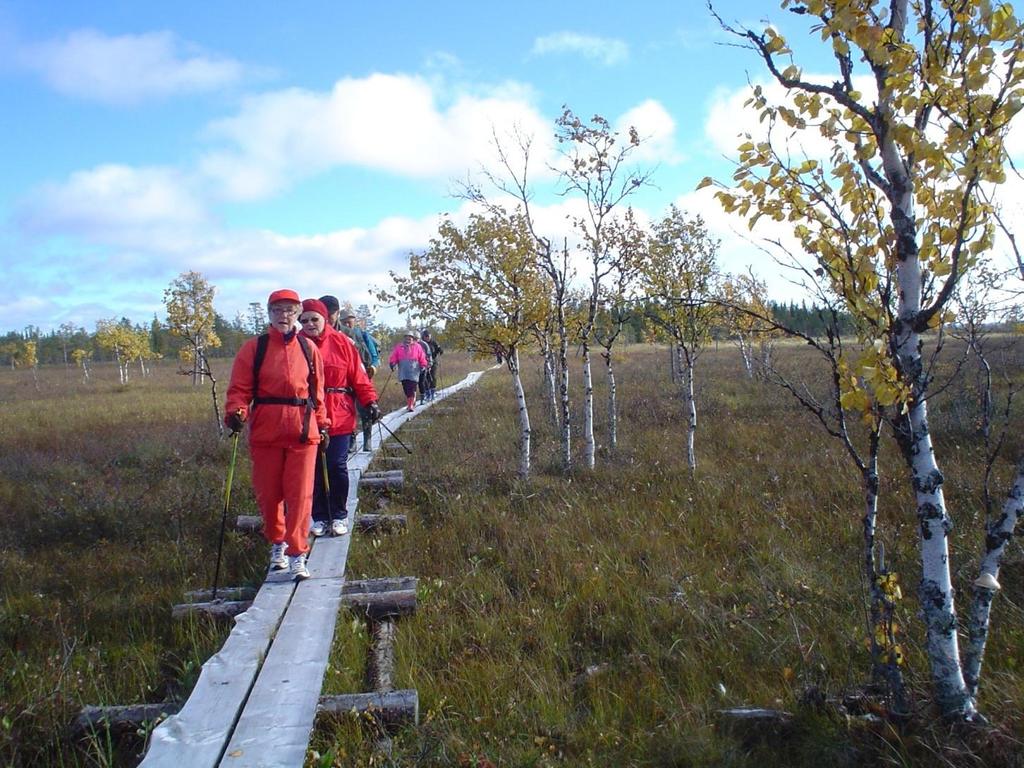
{"type": "Point", "coordinates": [597, 619]}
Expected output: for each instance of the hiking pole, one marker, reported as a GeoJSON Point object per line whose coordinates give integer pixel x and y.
{"type": "Point", "coordinates": [397, 438]}
{"type": "Point", "coordinates": [380, 395]}
{"type": "Point", "coordinates": [227, 502]}
{"type": "Point", "coordinates": [323, 468]}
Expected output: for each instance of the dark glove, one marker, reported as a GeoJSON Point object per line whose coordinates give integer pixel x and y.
{"type": "Point", "coordinates": [234, 421]}
{"type": "Point", "coordinates": [325, 439]}
{"type": "Point", "coordinates": [374, 412]}
{"type": "Point", "coordinates": [392, 367]}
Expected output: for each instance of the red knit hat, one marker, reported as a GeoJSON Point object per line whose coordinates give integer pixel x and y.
{"type": "Point", "coordinates": [284, 294]}
{"type": "Point", "coordinates": [315, 305]}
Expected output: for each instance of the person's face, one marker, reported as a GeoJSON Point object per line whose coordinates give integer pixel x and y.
{"type": "Point", "coordinates": [282, 315]}
{"type": "Point", "coordinates": [409, 340]}
{"type": "Point", "coordinates": [312, 323]}
{"type": "Point", "coordinates": [349, 322]}
{"type": "Point", "coordinates": [333, 319]}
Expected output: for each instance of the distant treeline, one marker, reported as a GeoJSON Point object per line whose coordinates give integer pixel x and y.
{"type": "Point", "coordinates": [57, 346]}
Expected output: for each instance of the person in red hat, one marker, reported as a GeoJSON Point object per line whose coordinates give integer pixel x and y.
{"type": "Point", "coordinates": [345, 384]}
{"type": "Point", "coordinates": [277, 388]}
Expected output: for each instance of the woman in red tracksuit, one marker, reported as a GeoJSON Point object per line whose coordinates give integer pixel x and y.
{"type": "Point", "coordinates": [345, 381]}
{"type": "Point", "coordinates": [282, 400]}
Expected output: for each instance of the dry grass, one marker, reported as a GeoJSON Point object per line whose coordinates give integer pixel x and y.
{"type": "Point", "coordinates": [604, 619]}
{"type": "Point", "coordinates": [597, 619]}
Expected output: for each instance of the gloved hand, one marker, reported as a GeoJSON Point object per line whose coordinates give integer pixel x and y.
{"type": "Point", "coordinates": [374, 412]}
{"type": "Point", "coordinates": [392, 367]}
{"type": "Point", "coordinates": [370, 370]}
{"type": "Point", "coordinates": [234, 421]}
{"type": "Point", "coordinates": [325, 439]}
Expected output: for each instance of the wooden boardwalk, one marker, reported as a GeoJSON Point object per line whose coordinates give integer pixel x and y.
{"type": "Point", "coordinates": [256, 699]}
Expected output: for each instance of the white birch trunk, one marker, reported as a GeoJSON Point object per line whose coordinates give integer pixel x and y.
{"type": "Point", "coordinates": [613, 419]}
{"type": "Point", "coordinates": [550, 398]}
{"type": "Point", "coordinates": [563, 393]}
{"type": "Point", "coordinates": [524, 416]}
{"type": "Point", "coordinates": [746, 353]}
{"type": "Point", "coordinates": [589, 448]}
{"type": "Point", "coordinates": [998, 534]}
{"type": "Point", "coordinates": [690, 404]}
{"type": "Point", "coordinates": [767, 348]}
{"type": "Point", "coordinates": [936, 588]}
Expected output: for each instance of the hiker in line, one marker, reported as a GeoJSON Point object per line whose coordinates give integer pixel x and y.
{"type": "Point", "coordinates": [424, 384]}
{"type": "Point", "coordinates": [277, 387]}
{"type": "Point", "coordinates": [435, 352]}
{"type": "Point", "coordinates": [367, 347]}
{"type": "Point", "coordinates": [408, 357]}
{"type": "Point", "coordinates": [334, 311]}
{"type": "Point", "coordinates": [345, 384]}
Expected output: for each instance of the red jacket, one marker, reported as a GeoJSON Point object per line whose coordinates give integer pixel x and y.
{"type": "Point", "coordinates": [284, 372]}
{"type": "Point", "coordinates": [342, 368]}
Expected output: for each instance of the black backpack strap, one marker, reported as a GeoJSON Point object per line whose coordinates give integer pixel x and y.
{"type": "Point", "coordinates": [257, 361]}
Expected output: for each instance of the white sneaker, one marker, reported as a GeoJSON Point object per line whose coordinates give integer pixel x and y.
{"type": "Point", "coordinates": [278, 561]}
{"type": "Point", "coordinates": [338, 528]}
{"type": "Point", "coordinates": [319, 528]}
{"type": "Point", "coordinates": [297, 567]}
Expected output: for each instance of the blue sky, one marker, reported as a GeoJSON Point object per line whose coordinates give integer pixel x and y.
{"type": "Point", "coordinates": [313, 145]}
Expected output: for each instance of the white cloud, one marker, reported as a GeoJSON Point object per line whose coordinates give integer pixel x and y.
{"type": "Point", "coordinates": [127, 69]}
{"type": "Point", "coordinates": [390, 123]}
{"type": "Point", "coordinates": [607, 51]}
{"type": "Point", "coordinates": [657, 131]}
{"type": "Point", "coordinates": [113, 204]}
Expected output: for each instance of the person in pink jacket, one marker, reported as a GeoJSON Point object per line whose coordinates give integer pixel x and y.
{"type": "Point", "coordinates": [345, 382]}
{"type": "Point", "coordinates": [409, 359]}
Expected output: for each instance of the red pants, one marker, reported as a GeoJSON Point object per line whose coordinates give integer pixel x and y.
{"type": "Point", "coordinates": [283, 477]}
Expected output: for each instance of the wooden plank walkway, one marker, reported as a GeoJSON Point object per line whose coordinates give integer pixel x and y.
{"type": "Point", "coordinates": [255, 701]}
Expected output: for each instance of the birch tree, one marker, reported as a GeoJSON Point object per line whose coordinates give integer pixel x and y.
{"type": "Point", "coordinates": [616, 299]}
{"type": "Point", "coordinates": [916, 114]}
{"type": "Point", "coordinates": [544, 333]}
{"type": "Point", "coordinates": [862, 447]}
{"type": "Point", "coordinates": [65, 333]}
{"type": "Point", "coordinates": [598, 173]}
{"type": "Point", "coordinates": [977, 305]}
{"type": "Point", "coordinates": [28, 357]}
{"type": "Point", "coordinates": [747, 321]}
{"type": "Point", "coordinates": [116, 339]}
{"type": "Point", "coordinates": [191, 317]}
{"type": "Point", "coordinates": [483, 281]}
{"type": "Point", "coordinates": [81, 358]}
{"type": "Point", "coordinates": [514, 180]}
{"type": "Point", "coordinates": [681, 280]}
